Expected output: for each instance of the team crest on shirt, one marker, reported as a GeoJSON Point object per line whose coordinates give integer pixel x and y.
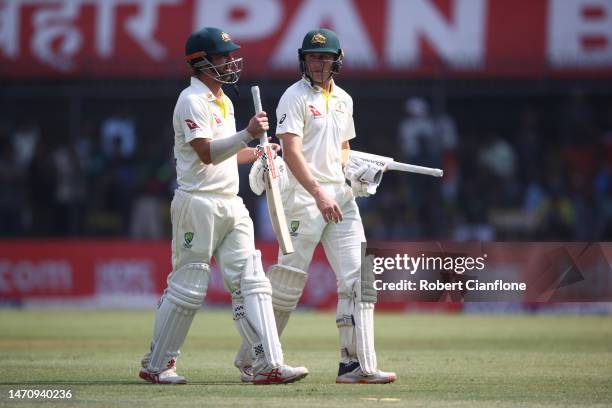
{"type": "Point", "coordinates": [314, 112]}
{"type": "Point", "coordinates": [340, 107]}
{"type": "Point", "coordinates": [188, 240]}
{"type": "Point", "coordinates": [293, 227]}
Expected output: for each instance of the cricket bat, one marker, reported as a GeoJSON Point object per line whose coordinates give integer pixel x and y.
{"type": "Point", "coordinates": [388, 163]}
{"type": "Point", "coordinates": [273, 196]}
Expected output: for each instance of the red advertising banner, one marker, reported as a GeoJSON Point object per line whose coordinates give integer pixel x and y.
{"type": "Point", "coordinates": [120, 273]}
{"type": "Point", "coordinates": [394, 38]}
{"type": "Point", "coordinates": [412, 275]}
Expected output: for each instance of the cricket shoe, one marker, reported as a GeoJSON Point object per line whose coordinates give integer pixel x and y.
{"type": "Point", "coordinates": [351, 373]}
{"type": "Point", "coordinates": [168, 376]}
{"type": "Point", "coordinates": [246, 373]}
{"type": "Point", "coordinates": [280, 375]}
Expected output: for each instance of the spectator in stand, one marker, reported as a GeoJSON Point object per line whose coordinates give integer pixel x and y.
{"type": "Point", "coordinates": [119, 126]}
{"type": "Point", "coordinates": [149, 186]}
{"type": "Point", "coordinates": [497, 159]}
{"type": "Point", "coordinates": [118, 177]}
{"type": "Point", "coordinates": [556, 216]}
{"type": "Point", "coordinates": [474, 204]}
{"type": "Point", "coordinates": [70, 191]}
{"type": "Point", "coordinates": [418, 138]}
{"type": "Point", "coordinates": [424, 140]}
{"type": "Point", "coordinates": [25, 139]}
{"type": "Point", "coordinates": [41, 190]}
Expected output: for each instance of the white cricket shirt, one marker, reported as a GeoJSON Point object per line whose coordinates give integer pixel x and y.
{"type": "Point", "coordinates": [199, 114]}
{"type": "Point", "coordinates": [322, 121]}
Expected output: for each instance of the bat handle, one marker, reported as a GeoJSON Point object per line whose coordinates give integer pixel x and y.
{"type": "Point", "coordinates": [263, 139]}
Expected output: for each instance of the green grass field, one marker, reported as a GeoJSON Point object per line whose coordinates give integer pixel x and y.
{"type": "Point", "coordinates": [441, 361]}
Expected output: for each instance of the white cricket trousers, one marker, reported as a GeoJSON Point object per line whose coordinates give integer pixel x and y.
{"type": "Point", "coordinates": [341, 242]}
{"type": "Point", "coordinates": [206, 225]}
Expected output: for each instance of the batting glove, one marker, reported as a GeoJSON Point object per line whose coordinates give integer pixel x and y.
{"type": "Point", "coordinates": [363, 176]}
{"type": "Point", "coordinates": [257, 175]}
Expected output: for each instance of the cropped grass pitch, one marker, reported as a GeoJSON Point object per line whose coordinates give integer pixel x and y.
{"type": "Point", "coordinates": [441, 360]}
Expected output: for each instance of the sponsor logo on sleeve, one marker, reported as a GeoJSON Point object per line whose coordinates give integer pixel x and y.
{"type": "Point", "coordinates": [282, 119]}
{"type": "Point", "coordinates": [191, 124]}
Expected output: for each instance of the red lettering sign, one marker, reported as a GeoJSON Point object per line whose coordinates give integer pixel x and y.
{"type": "Point", "coordinates": [394, 38]}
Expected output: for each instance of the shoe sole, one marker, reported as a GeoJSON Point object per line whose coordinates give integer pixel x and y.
{"type": "Point", "coordinates": [365, 381]}
{"type": "Point", "coordinates": [153, 379]}
{"type": "Point", "coordinates": [246, 378]}
{"type": "Point", "coordinates": [283, 381]}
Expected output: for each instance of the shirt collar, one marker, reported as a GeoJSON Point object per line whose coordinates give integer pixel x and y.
{"type": "Point", "coordinates": [316, 88]}
{"type": "Point", "coordinates": [203, 89]}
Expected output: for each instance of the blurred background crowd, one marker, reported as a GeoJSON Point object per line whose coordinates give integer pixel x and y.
{"type": "Point", "coordinates": [522, 161]}
{"type": "Point", "coordinates": [512, 99]}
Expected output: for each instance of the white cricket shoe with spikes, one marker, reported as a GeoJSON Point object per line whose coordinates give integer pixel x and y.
{"type": "Point", "coordinates": [351, 373]}
{"type": "Point", "coordinates": [168, 376]}
{"type": "Point", "coordinates": [280, 375]}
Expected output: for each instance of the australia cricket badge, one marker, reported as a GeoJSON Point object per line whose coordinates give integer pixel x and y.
{"type": "Point", "coordinates": [293, 227]}
{"type": "Point", "coordinates": [188, 240]}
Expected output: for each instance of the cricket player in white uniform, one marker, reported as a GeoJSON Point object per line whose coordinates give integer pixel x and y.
{"type": "Point", "coordinates": [315, 124]}
{"type": "Point", "coordinates": [209, 219]}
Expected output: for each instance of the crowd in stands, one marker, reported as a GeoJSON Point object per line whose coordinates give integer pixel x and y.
{"type": "Point", "coordinates": [515, 181]}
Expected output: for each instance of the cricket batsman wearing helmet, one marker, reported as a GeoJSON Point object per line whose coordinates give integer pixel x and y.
{"type": "Point", "coordinates": [315, 124]}
{"type": "Point", "coordinates": [209, 219]}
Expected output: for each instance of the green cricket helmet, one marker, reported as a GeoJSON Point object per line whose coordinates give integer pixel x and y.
{"type": "Point", "coordinates": [321, 40]}
{"type": "Point", "coordinates": [206, 43]}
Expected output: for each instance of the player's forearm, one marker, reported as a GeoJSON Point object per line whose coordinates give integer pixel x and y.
{"type": "Point", "coordinates": [215, 151]}
{"type": "Point", "coordinates": [346, 150]}
{"type": "Point", "coordinates": [223, 149]}
{"type": "Point", "coordinates": [247, 155]}
{"type": "Point", "coordinates": [300, 170]}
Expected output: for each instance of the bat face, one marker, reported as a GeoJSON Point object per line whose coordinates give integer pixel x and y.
{"type": "Point", "coordinates": [270, 162]}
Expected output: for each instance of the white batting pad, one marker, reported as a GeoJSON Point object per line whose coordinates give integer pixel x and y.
{"type": "Point", "coordinates": [364, 337]}
{"type": "Point", "coordinates": [182, 299]}
{"type": "Point", "coordinates": [346, 329]}
{"type": "Point", "coordinates": [287, 286]}
{"type": "Point", "coordinates": [254, 315]}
